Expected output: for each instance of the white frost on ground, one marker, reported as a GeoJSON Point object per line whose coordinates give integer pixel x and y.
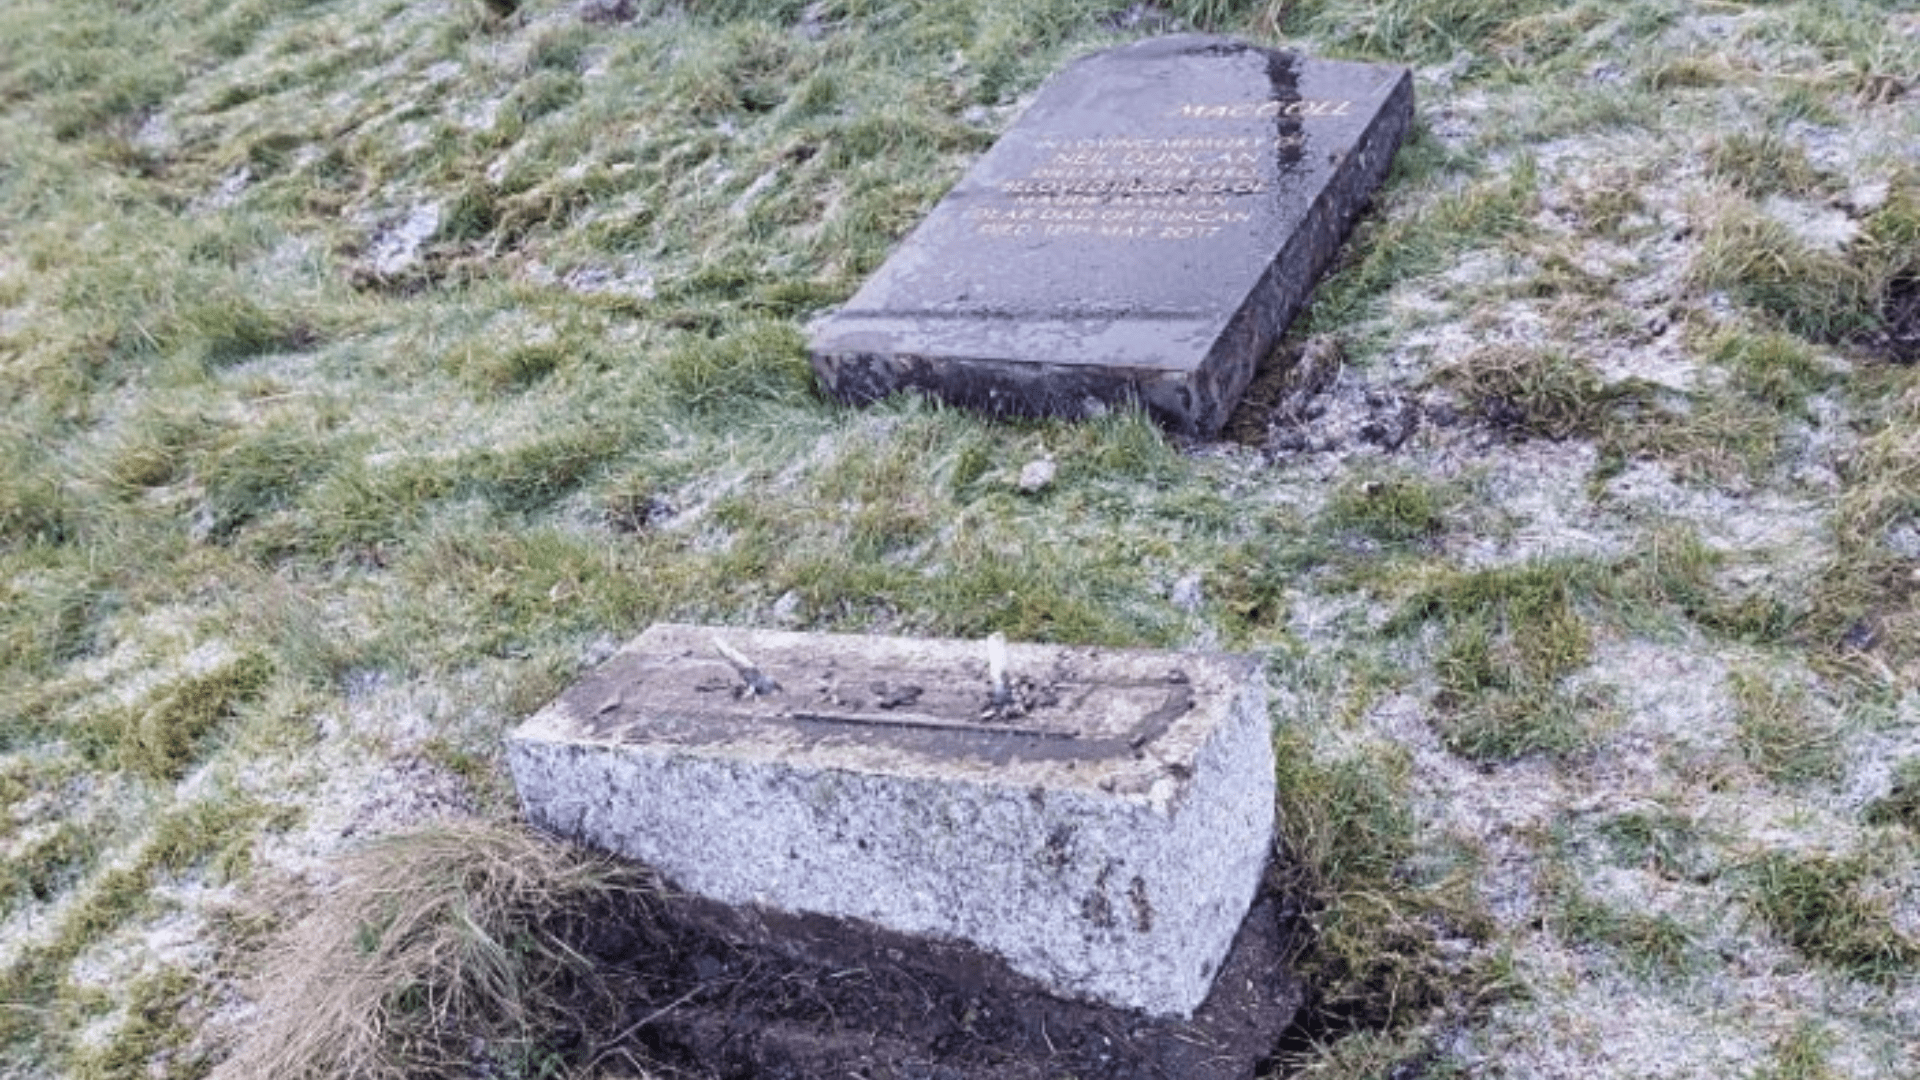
{"type": "Point", "coordinates": [1822, 227]}
{"type": "Point", "coordinates": [1666, 739]}
{"type": "Point", "coordinates": [1791, 527]}
{"type": "Point", "coordinates": [356, 798]}
{"type": "Point", "coordinates": [395, 240]}
{"type": "Point", "coordinates": [1543, 508]}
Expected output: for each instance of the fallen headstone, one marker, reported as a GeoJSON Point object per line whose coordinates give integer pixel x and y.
{"type": "Point", "coordinates": [1096, 819]}
{"type": "Point", "coordinates": [1144, 232]}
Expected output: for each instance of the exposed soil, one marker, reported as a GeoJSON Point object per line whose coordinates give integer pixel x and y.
{"type": "Point", "coordinates": [1900, 319]}
{"type": "Point", "coordinates": [691, 989]}
{"type": "Point", "coordinates": [1305, 400]}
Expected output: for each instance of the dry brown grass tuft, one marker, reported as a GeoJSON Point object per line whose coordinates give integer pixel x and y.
{"type": "Point", "coordinates": [435, 956]}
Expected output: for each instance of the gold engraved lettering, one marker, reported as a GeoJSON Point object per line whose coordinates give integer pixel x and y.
{"type": "Point", "coordinates": [1136, 188]}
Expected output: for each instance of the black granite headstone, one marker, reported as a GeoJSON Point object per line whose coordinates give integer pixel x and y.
{"type": "Point", "coordinates": [1144, 232]}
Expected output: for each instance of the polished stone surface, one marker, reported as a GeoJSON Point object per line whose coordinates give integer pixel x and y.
{"type": "Point", "coordinates": [1095, 818]}
{"type": "Point", "coordinates": [1145, 231]}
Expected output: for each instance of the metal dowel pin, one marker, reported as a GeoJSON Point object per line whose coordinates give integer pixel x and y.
{"type": "Point", "coordinates": [1001, 694]}
{"type": "Point", "coordinates": [758, 682]}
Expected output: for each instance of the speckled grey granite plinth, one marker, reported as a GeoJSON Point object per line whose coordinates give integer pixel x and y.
{"type": "Point", "coordinates": [1144, 232]}
{"type": "Point", "coordinates": [1102, 830]}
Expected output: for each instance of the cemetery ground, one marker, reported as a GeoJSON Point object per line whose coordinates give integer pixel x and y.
{"type": "Point", "coordinates": [370, 369]}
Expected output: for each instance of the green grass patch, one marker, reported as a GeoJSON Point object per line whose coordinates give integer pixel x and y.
{"type": "Point", "coordinates": [1666, 842]}
{"type": "Point", "coordinates": [1709, 436]}
{"type": "Point", "coordinates": [1776, 370]}
{"type": "Point", "coordinates": [1692, 71]}
{"type": "Point", "coordinates": [1801, 1054]}
{"type": "Point", "coordinates": [1548, 393]}
{"type": "Point", "coordinates": [153, 449]}
{"type": "Point", "coordinates": [1419, 240]}
{"type": "Point", "coordinates": [1824, 907]}
{"type": "Point", "coordinates": [153, 1041]}
{"type": "Point", "coordinates": [259, 472]}
{"type": "Point", "coordinates": [1821, 295]}
{"type": "Point", "coordinates": [1760, 263]}
{"type": "Point", "coordinates": [214, 835]}
{"type": "Point", "coordinates": [1425, 31]}
{"type": "Point", "coordinates": [1349, 832]}
{"type": "Point", "coordinates": [1366, 1055]}
{"type": "Point", "coordinates": [1509, 636]}
{"type": "Point", "coordinates": [1866, 599]}
{"type": "Point", "coordinates": [765, 362]}
{"type": "Point", "coordinates": [1389, 510]}
{"type": "Point", "coordinates": [51, 611]}
{"type": "Point", "coordinates": [1611, 203]}
{"type": "Point", "coordinates": [35, 508]}
{"type": "Point", "coordinates": [1649, 944]}
{"type": "Point", "coordinates": [1675, 572]}
{"type": "Point", "coordinates": [43, 868]}
{"type": "Point", "coordinates": [1766, 163]}
{"type": "Point", "coordinates": [1780, 733]}
{"type": "Point", "coordinates": [1901, 804]}
{"type": "Point", "coordinates": [1248, 584]}
{"type": "Point", "coordinates": [164, 734]}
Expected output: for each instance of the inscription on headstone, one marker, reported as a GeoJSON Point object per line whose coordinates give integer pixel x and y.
{"type": "Point", "coordinates": [1144, 232]}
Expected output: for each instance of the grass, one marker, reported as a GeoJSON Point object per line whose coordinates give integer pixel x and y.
{"type": "Point", "coordinates": [1418, 30]}
{"type": "Point", "coordinates": [1710, 433]}
{"type": "Point", "coordinates": [1511, 636]}
{"type": "Point", "coordinates": [163, 735]}
{"type": "Point", "coordinates": [1800, 1055]}
{"type": "Point", "coordinates": [1766, 163]}
{"type": "Point", "coordinates": [1350, 834]}
{"type": "Point", "coordinates": [1547, 394]}
{"type": "Point", "coordinates": [1662, 841]}
{"type": "Point", "coordinates": [1866, 598]}
{"type": "Point", "coordinates": [434, 956]}
{"type": "Point", "coordinates": [1480, 214]}
{"type": "Point", "coordinates": [1779, 732]}
{"type": "Point", "coordinates": [1390, 510]}
{"type": "Point", "coordinates": [1901, 805]}
{"type": "Point", "coordinates": [278, 515]}
{"type": "Point", "coordinates": [1822, 906]}
{"type": "Point", "coordinates": [1816, 293]}
{"type": "Point", "coordinates": [1776, 370]}
{"type": "Point", "coordinates": [213, 836]}
{"type": "Point", "coordinates": [1370, 1054]}
{"type": "Point", "coordinates": [1760, 263]}
{"type": "Point", "coordinates": [155, 1031]}
{"type": "Point", "coordinates": [1657, 944]}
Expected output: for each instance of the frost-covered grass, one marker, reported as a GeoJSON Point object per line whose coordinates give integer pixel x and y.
{"type": "Point", "coordinates": [368, 369]}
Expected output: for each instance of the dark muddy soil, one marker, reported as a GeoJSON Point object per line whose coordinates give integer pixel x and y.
{"type": "Point", "coordinates": [1305, 401]}
{"type": "Point", "coordinates": [1900, 320]}
{"type": "Point", "coordinates": [686, 988]}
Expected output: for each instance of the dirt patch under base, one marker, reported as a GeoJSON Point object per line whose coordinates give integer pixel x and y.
{"type": "Point", "coordinates": [699, 990]}
{"type": "Point", "coordinates": [1900, 317]}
